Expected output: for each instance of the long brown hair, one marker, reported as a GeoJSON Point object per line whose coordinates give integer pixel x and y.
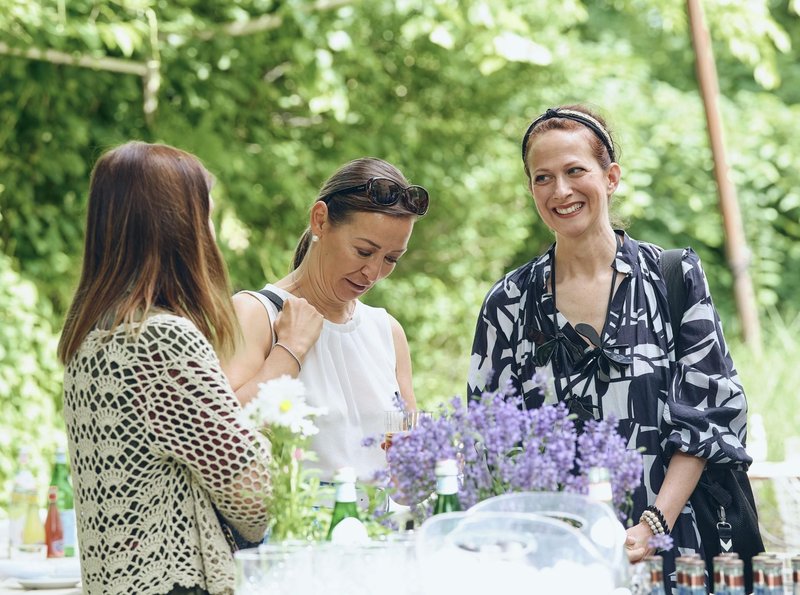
{"type": "Point", "coordinates": [342, 206]}
{"type": "Point", "coordinates": [149, 245]}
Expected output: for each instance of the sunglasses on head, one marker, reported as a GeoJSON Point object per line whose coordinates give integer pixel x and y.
{"type": "Point", "coordinates": [386, 192]}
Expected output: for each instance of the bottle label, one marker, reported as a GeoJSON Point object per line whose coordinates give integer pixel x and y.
{"type": "Point", "coordinates": [601, 491]}
{"type": "Point", "coordinates": [349, 531]}
{"type": "Point", "coordinates": [447, 484]}
{"type": "Point", "coordinates": [346, 492]}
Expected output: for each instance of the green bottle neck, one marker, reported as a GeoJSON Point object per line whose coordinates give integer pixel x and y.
{"type": "Point", "coordinates": [343, 510]}
{"type": "Point", "coordinates": [446, 503]}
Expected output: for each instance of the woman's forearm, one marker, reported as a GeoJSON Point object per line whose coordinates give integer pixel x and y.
{"type": "Point", "coordinates": [682, 476]}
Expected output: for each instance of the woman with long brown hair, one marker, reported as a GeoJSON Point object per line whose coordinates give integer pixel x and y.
{"type": "Point", "coordinates": [154, 435]}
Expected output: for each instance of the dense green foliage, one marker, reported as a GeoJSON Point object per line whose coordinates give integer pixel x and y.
{"type": "Point", "coordinates": [274, 95]}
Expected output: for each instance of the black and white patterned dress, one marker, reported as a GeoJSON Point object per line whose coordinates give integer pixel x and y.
{"type": "Point", "coordinates": [695, 404]}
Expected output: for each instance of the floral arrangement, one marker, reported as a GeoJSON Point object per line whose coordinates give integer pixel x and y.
{"type": "Point", "coordinates": [505, 448]}
{"type": "Point", "coordinates": [280, 413]}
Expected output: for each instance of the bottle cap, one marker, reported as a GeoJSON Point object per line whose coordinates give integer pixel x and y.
{"type": "Point", "coordinates": [52, 493]}
{"type": "Point", "coordinates": [345, 475]}
{"type": "Point", "coordinates": [446, 467]}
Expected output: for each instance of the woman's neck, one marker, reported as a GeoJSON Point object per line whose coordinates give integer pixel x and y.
{"type": "Point", "coordinates": [306, 283]}
{"type": "Point", "coordinates": [585, 256]}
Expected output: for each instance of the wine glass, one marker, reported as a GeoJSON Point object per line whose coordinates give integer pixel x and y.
{"type": "Point", "coordinates": [400, 422]}
{"type": "Point", "coordinates": [278, 568]}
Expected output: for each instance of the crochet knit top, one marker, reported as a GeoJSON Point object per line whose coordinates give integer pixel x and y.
{"type": "Point", "coordinates": [155, 444]}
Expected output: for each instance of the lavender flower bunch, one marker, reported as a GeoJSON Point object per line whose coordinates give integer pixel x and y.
{"type": "Point", "coordinates": [503, 447]}
{"type": "Point", "coordinates": [601, 445]}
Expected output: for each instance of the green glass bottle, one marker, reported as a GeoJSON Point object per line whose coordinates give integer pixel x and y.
{"type": "Point", "coordinates": [446, 487]}
{"type": "Point", "coordinates": [345, 524]}
{"type": "Point", "coordinates": [66, 508]}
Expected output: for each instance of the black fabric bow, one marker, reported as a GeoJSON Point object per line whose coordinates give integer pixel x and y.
{"type": "Point", "coordinates": [604, 355]}
{"type": "Point", "coordinates": [559, 350]}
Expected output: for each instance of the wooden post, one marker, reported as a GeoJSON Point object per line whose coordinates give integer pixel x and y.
{"type": "Point", "coordinates": [736, 249]}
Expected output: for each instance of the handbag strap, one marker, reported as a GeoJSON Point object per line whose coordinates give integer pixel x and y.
{"type": "Point", "coordinates": [670, 263]}
{"type": "Point", "coordinates": [273, 297]}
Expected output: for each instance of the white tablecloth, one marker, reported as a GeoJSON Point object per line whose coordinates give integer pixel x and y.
{"type": "Point", "coordinates": [12, 587]}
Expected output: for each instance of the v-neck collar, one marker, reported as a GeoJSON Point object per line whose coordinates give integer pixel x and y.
{"type": "Point", "coordinates": [625, 262]}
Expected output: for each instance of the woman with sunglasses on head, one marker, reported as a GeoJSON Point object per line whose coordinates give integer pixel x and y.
{"type": "Point", "coordinates": [157, 448]}
{"type": "Point", "coordinates": [592, 314]}
{"type": "Point", "coordinates": [352, 358]}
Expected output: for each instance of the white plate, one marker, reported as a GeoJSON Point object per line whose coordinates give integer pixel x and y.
{"type": "Point", "coordinates": [33, 568]}
{"type": "Point", "coordinates": [48, 582]}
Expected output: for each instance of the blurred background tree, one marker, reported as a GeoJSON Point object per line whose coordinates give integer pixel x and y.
{"type": "Point", "coordinates": [275, 95]}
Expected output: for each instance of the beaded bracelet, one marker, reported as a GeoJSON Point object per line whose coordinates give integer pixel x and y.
{"type": "Point", "coordinates": [656, 511]}
{"type": "Point", "coordinates": [652, 521]}
{"type": "Point", "coordinates": [290, 352]}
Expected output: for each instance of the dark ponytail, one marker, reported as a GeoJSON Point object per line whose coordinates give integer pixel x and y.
{"type": "Point", "coordinates": [302, 248]}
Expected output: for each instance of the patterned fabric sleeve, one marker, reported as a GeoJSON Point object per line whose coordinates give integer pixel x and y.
{"type": "Point", "coordinates": [194, 416]}
{"type": "Point", "coordinates": [492, 363]}
{"type": "Point", "coordinates": [706, 412]}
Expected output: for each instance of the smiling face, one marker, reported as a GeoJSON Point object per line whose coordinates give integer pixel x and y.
{"type": "Point", "coordinates": [356, 254]}
{"type": "Point", "coordinates": [571, 190]}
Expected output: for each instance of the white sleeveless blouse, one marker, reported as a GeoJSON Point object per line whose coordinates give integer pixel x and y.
{"type": "Point", "coordinates": [351, 370]}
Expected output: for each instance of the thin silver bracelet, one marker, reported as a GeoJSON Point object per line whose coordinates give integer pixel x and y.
{"type": "Point", "coordinates": [290, 352]}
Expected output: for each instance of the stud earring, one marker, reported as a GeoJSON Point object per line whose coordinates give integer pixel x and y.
{"type": "Point", "coordinates": [314, 237]}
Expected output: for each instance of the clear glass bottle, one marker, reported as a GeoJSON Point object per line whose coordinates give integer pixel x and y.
{"type": "Point", "coordinates": [66, 507]}
{"type": "Point", "coordinates": [718, 582]}
{"type": "Point", "coordinates": [446, 487]}
{"type": "Point", "coordinates": [33, 538]}
{"type": "Point", "coordinates": [346, 527]}
{"type": "Point", "coordinates": [796, 575]}
{"type": "Point", "coordinates": [655, 565]}
{"type": "Point", "coordinates": [733, 574]}
{"type": "Point", "coordinates": [681, 581]}
{"type": "Point", "coordinates": [773, 576]}
{"type": "Point", "coordinates": [53, 529]}
{"type": "Point", "coordinates": [23, 494]}
{"type": "Point", "coordinates": [682, 564]}
{"type": "Point", "coordinates": [759, 581]}
{"type": "Point", "coordinates": [696, 575]}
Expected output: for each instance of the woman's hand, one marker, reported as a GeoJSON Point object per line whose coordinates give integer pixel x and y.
{"type": "Point", "coordinates": [636, 543]}
{"type": "Point", "coordinates": [298, 326]}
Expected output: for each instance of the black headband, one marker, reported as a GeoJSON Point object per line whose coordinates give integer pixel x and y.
{"type": "Point", "coordinates": [575, 116]}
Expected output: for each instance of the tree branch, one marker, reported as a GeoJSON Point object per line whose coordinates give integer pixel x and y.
{"type": "Point", "coordinates": [77, 59]}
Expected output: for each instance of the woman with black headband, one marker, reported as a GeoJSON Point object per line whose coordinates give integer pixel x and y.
{"type": "Point", "coordinates": [592, 314]}
{"type": "Point", "coordinates": [352, 358]}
